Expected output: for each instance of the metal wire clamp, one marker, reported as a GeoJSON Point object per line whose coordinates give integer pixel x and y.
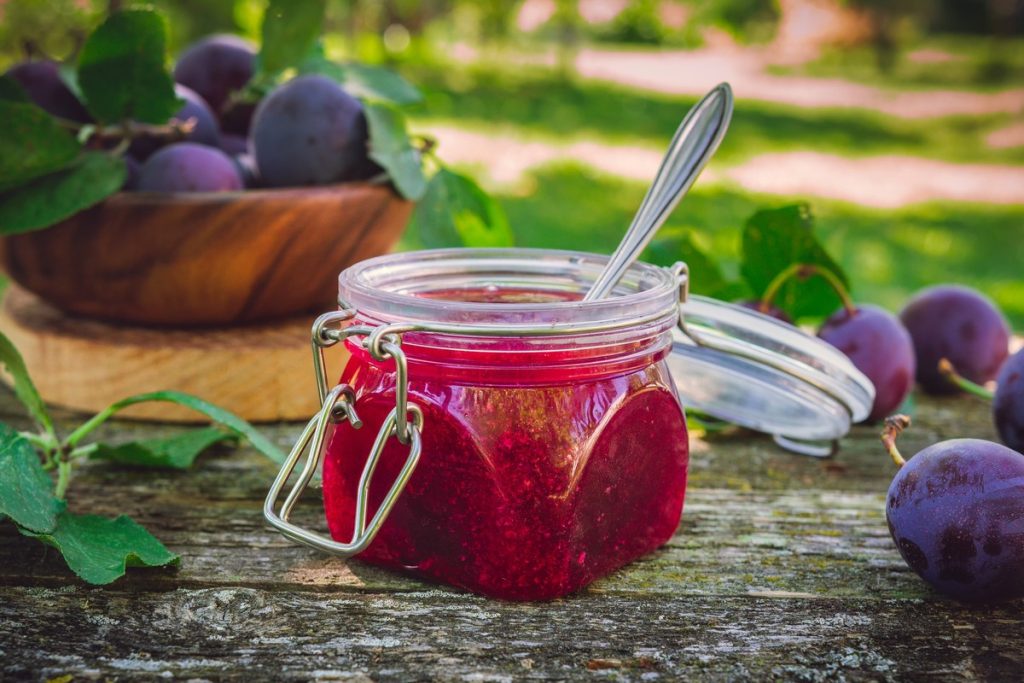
{"type": "Point", "coordinates": [337, 405]}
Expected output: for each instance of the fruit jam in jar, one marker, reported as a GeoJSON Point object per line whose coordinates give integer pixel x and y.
{"type": "Point", "coordinates": [554, 446]}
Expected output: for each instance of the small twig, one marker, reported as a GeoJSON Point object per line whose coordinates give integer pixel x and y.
{"type": "Point", "coordinates": [63, 479]}
{"type": "Point", "coordinates": [175, 129]}
{"type": "Point", "coordinates": [425, 144]}
{"type": "Point", "coordinates": [947, 370]}
{"type": "Point", "coordinates": [805, 271]}
{"type": "Point", "coordinates": [894, 426]}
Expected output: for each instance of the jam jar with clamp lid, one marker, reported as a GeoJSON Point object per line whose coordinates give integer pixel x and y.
{"type": "Point", "coordinates": [493, 431]}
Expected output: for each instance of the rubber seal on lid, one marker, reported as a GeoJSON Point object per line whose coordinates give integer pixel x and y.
{"type": "Point", "coordinates": [749, 369]}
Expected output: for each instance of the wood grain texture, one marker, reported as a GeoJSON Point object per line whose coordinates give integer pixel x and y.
{"type": "Point", "coordinates": [207, 258]}
{"type": "Point", "coordinates": [261, 372]}
{"type": "Point", "coordinates": [781, 569]}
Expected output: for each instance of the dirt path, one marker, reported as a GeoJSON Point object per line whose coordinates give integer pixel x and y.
{"type": "Point", "coordinates": [889, 182]}
{"type": "Point", "coordinates": [693, 72]}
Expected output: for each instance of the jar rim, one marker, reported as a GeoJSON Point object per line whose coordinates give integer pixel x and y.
{"type": "Point", "coordinates": [391, 288]}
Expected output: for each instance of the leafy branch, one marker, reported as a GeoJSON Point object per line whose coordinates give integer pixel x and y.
{"type": "Point", "coordinates": [96, 548]}
{"type": "Point", "coordinates": [782, 262]}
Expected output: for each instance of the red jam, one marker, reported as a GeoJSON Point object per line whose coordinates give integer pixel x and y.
{"type": "Point", "coordinates": [540, 471]}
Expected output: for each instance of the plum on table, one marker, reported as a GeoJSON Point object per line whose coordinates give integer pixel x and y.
{"type": "Point", "coordinates": [956, 513]}
{"type": "Point", "coordinates": [879, 346]}
{"type": "Point", "coordinates": [1008, 403]}
{"type": "Point", "coordinates": [960, 324]}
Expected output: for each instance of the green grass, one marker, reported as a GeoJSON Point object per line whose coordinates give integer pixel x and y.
{"type": "Point", "coordinates": [887, 254]}
{"type": "Point", "coordinates": [979, 64]}
{"type": "Point", "coordinates": [542, 104]}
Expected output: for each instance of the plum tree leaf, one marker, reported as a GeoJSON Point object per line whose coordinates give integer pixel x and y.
{"type": "Point", "coordinates": [54, 197]}
{"type": "Point", "coordinates": [290, 31]}
{"type": "Point", "coordinates": [773, 240]}
{"type": "Point", "coordinates": [32, 144]}
{"type": "Point", "coordinates": [11, 90]}
{"type": "Point", "coordinates": [455, 211]}
{"type": "Point", "coordinates": [215, 413]}
{"type": "Point", "coordinates": [376, 83]}
{"type": "Point", "coordinates": [176, 452]}
{"type": "Point", "coordinates": [99, 550]}
{"type": "Point", "coordinates": [122, 69]}
{"type": "Point", "coordinates": [391, 147]}
{"type": "Point", "coordinates": [26, 491]}
{"type": "Point", "coordinates": [24, 388]}
{"type": "Point", "coordinates": [372, 83]}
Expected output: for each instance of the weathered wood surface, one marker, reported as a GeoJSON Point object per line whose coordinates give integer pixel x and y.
{"type": "Point", "coordinates": [782, 568]}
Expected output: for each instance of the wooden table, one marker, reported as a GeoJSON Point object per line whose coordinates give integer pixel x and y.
{"type": "Point", "coordinates": [782, 568]}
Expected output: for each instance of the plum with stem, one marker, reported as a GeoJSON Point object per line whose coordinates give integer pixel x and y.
{"type": "Point", "coordinates": [956, 513]}
{"type": "Point", "coordinates": [1007, 400]}
{"type": "Point", "coordinates": [958, 323]}
{"type": "Point", "coordinates": [872, 338]}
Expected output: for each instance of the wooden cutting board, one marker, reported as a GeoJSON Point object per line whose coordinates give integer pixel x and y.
{"type": "Point", "coordinates": [263, 373]}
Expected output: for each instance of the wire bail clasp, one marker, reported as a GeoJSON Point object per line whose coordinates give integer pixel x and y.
{"type": "Point", "coordinates": [337, 405]}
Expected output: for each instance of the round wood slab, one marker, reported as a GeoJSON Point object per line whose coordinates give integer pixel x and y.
{"type": "Point", "coordinates": [262, 372]}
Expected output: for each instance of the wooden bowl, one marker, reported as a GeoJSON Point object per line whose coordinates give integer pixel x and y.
{"type": "Point", "coordinates": [207, 259]}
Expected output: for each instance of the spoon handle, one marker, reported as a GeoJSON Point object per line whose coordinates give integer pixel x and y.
{"type": "Point", "coordinates": [696, 139]}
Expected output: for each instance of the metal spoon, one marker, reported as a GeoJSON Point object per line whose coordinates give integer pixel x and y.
{"type": "Point", "coordinates": [696, 139]}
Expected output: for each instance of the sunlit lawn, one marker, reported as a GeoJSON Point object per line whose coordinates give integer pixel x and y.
{"type": "Point", "coordinates": [540, 103]}
{"type": "Point", "coordinates": [976, 64]}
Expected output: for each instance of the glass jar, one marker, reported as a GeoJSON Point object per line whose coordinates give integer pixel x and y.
{"type": "Point", "coordinates": [493, 431]}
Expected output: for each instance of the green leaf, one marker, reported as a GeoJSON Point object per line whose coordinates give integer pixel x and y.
{"type": "Point", "coordinates": [122, 70]}
{"type": "Point", "coordinates": [215, 413]}
{"type": "Point", "coordinates": [26, 491]}
{"type": "Point", "coordinates": [391, 148]}
{"type": "Point", "coordinates": [773, 240]}
{"type": "Point", "coordinates": [377, 83]}
{"type": "Point", "coordinates": [372, 83]}
{"type": "Point", "coordinates": [69, 75]}
{"type": "Point", "coordinates": [701, 425]}
{"type": "Point", "coordinates": [176, 452]}
{"type": "Point", "coordinates": [24, 388]}
{"type": "Point", "coordinates": [99, 550]}
{"type": "Point", "coordinates": [32, 144]}
{"type": "Point", "coordinates": [290, 32]}
{"type": "Point", "coordinates": [11, 90]}
{"type": "Point", "coordinates": [455, 211]}
{"type": "Point", "coordinates": [54, 197]}
{"type": "Point", "coordinates": [674, 245]}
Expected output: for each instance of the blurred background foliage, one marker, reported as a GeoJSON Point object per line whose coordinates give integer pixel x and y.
{"type": "Point", "coordinates": [509, 69]}
{"type": "Point", "coordinates": [384, 30]}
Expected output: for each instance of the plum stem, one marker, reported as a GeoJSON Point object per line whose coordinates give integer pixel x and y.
{"type": "Point", "coordinates": [894, 426]}
{"type": "Point", "coordinates": [805, 271]}
{"type": "Point", "coordinates": [947, 370]}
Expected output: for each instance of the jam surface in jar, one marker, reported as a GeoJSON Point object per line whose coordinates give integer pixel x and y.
{"type": "Point", "coordinates": [541, 470]}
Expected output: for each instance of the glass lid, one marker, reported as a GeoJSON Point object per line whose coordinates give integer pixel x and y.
{"type": "Point", "coordinates": [738, 365]}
